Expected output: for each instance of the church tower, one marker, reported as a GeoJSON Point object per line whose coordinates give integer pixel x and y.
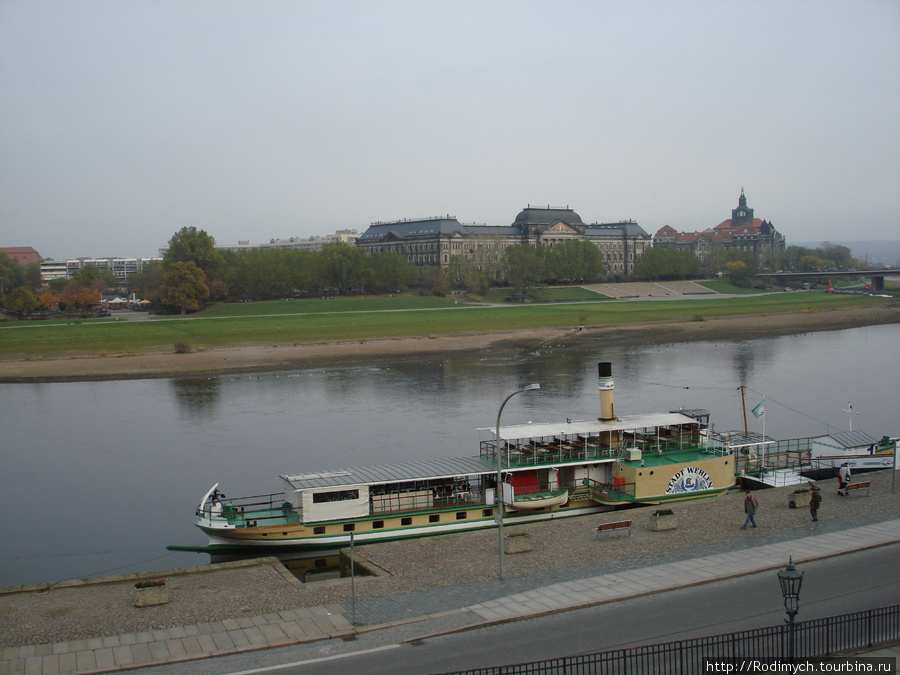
{"type": "Point", "coordinates": [741, 215]}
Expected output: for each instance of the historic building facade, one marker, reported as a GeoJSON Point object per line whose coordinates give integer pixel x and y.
{"type": "Point", "coordinates": [433, 241]}
{"type": "Point", "coordinates": [741, 231]}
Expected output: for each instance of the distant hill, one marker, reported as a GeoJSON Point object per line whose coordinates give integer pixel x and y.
{"type": "Point", "coordinates": [876, 252]}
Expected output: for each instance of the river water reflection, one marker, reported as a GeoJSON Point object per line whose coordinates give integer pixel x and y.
{"type": "Point", "coordinates": [99, 477]}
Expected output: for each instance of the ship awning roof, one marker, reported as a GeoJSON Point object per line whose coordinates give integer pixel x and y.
{"type": "Point", "coordinates": [429, 469]}
{"type": "Point", "coordinates": [851, 439]}
{"type": "Point", "coordinates": [589, 427]}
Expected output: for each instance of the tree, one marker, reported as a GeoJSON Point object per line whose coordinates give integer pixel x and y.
{"type": "Point", "coordinates": [58, 284]}
{"type": "Point", "coordinates": [739, 274]}
{"type": "Point", "coordinates": [48, 298]}
{"type": "Point", "coordinates": [79, 296]}
{"type": "Point", "coordinates": [523, 266]}
{"type": "Point", "coordinates": [839, 256]}
{"type": "Point", "coordinates": [474, 274]}
{"type": "Point", "coordinates": [341, 266]}
{"type": "Point", "coordinates": [21, 301]}
{"type": "Point", "coordinates": [91, 275]}
{"type": "Point", "coordinates": [388, 271]}
{"type": "Point", "coordinates": [31, 276]}
{"type": "Point", "coordinates": [184, 287]}
{"type": "Point", "coordinates": [573, 260]}
{"type": "Point", "coordinates": [11, 273]}
{"type": "Point", "coordinates": [667, 263]}
{"type": "Point", "coordinates": [190, 245]}
{"type": "Point", "coordinates": [434, 281]}
{"type": "Point", "coordinates": [146, 283]}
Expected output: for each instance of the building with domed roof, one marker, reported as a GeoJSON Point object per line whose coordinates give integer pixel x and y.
{"type": "Point", "coordinates": [434, 241]}
{"type": "Point", "coordinates": [742, 231]}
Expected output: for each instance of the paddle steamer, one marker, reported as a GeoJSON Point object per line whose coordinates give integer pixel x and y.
{"type": "Point", "coordinates": [548, 470]}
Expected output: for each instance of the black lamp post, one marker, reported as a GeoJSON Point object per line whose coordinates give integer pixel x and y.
{"type": "Point", "coordinates": [790, 579]}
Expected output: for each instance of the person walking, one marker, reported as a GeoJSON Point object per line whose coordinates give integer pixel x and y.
{"type": "Point", "coordinates": [814, 500]}
{"type": "Point", "coordinates": [750, 505]}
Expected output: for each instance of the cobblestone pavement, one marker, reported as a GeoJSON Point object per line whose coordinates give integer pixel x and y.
{"type": "Point", "coordinates": [393, 608]}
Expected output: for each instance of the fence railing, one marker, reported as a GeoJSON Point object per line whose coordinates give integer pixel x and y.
{"type": "Point", "coordinates": [812, 639]}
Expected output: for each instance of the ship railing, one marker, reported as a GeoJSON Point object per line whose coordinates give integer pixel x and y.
{"type": "Point", "coordinates": [396, 502]}
{"type": "Point", "coordinates": [611, 491]}
{"type": "Point", "coordinates": [537, 454]}
{"type": "Point", "coordinates": [786, 454]}
{"type": "Point", "coordinates": [545, 489]}
{"type": "Point", "coordinates": [252, 511]}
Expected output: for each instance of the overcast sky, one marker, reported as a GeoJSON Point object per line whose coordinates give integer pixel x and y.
{"type": "Point", "coordinates": [121, 122]}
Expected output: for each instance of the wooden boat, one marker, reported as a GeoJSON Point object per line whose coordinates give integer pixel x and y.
{"type": "Point", "coordinates": [548, 470]}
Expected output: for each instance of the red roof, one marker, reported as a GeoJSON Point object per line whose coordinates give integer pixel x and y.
{"type": "Point", "coordinates": [24, 254]}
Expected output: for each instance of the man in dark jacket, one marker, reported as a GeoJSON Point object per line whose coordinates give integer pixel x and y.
{"type": "Point", "coordinates": [750, 505]}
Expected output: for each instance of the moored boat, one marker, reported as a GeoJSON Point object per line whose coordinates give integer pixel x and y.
{"type": "Point", "coordinates": [548, 470]}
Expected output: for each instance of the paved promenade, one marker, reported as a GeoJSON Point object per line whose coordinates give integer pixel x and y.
{"type": "Point", "coordinates": [462, 606]}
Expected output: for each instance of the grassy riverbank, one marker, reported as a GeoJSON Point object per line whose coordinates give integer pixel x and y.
{"type": "Point", "coordinates": [315, 321]}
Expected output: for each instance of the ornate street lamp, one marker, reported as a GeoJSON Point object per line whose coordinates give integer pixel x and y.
{"type": "Point", "coordinates": [790, 579]}
{"type": "Point", "coordinates": [498, 492]}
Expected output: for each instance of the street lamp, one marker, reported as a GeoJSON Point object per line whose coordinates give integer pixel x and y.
{"type": "Point", "coordinates": [498, 492]}
{"type": "Point", "coordinates": [790, 579]}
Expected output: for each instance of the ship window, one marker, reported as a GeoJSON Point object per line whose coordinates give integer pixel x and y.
{"type": "Point", "coordinates": [335, 496]}
{"type": "Point", "coordinates": [487, 513]}
{"type": "Point", "coordinates": [406, 521]}
{"type": "Point", "coordinates": [434, 518]}
{"type": "Point", "coordinates": [319, 530]}
{"type": "Point", "coordinates": [461, 515]}
{"type": "Point", "coordinates": [349, 527]}
{"type": "Point", "coordinates": [377, 524]}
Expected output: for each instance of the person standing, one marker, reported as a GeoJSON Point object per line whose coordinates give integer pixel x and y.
{"type": "Point", "coordinates": [814, 500]}
{"type": "Point", "coordinates": [750, 505]}
{"type": "Point", "coordinates": [844, 477]}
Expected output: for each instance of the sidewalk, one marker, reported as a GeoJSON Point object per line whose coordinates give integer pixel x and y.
{"type": "Point", "coordinates": [511, 600]}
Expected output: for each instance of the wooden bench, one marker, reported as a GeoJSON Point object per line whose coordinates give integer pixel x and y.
{"type": "Point", "coordinates": [861, 485]}
{"type": "Point", "coordinates": [612, 527]}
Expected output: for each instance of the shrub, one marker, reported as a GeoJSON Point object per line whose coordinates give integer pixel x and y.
{"type": "Point", "coordinates": [183, 348]}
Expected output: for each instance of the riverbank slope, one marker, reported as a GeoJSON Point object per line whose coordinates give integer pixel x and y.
{"type": "Point", "coordinates": [265, 357]}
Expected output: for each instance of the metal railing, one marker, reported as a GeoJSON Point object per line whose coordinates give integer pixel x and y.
{"type": "Point", "coordinates": [812, 639]}
{"type": "Point", "coordinates": [611, 491]}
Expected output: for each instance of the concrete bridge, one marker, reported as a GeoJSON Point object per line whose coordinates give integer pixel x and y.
{"type": "Point", "coordinates": [876, 276]}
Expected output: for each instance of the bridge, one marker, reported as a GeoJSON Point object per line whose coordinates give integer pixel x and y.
{"type": "Point", "coordinates": [877, 276]}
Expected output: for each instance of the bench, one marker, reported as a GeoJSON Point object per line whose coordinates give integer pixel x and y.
{"type": "Point", "coordinates": [861, 485]}
{"type": "Point", "coordinates": [612, 527]}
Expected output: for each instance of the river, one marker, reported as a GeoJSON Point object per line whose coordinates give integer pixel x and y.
{"type": "Point", "coordinates": [98, 478]}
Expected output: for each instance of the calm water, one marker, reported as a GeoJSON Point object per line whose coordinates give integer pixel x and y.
{"type": "Point", "coordinates": [97, 478]}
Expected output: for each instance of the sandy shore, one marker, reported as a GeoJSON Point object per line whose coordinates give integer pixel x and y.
{"type": "Point", "coordinates": [267, 357]}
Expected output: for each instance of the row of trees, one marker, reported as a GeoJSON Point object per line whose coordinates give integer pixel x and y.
{"type": "Point", "coordinates": [194, 272]}
{"type": "Point", "coordinates": [524, 267]}
{"type": "Point", "coordinates": [827, 255]}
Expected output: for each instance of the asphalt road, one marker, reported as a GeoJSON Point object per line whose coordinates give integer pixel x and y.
{"type": "Point", "coordinates": [839, 585]}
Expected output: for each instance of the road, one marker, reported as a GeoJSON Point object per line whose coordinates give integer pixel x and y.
{"type": "Point", "coordinates": [847, 583]}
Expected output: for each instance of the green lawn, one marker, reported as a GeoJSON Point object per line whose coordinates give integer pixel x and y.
{"type": "Point", "coordinates": [292, 322]}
